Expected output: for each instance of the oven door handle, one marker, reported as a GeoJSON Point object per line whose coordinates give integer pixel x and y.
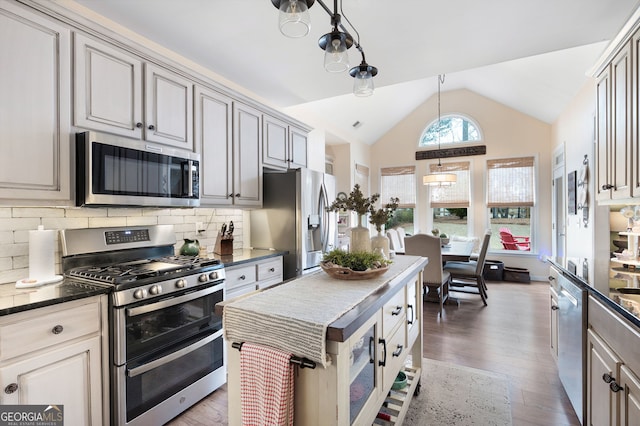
{"type": "Point", "coordinates": [132, 312]}
{"type": "Point", "coordinates": [133, 372]}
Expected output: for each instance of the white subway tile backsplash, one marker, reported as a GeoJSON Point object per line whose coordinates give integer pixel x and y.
{"type": "Point", "coordinates": [16, 222]}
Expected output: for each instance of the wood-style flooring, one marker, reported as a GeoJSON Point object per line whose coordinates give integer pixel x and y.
{"type": "Point", "coordinates": [509, 336]}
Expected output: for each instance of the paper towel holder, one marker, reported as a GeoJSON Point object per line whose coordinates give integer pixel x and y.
{"type": "Point", "coordinates": [51, 277]}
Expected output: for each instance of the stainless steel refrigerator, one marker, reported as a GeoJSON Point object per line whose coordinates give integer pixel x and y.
{"type": "Point", "coordinates": [294, 218]}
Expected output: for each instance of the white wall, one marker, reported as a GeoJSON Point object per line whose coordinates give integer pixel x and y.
{"type": "Point", "coordinates": [506, 133]}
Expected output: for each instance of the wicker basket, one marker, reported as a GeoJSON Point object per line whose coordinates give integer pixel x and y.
{"type": "Point", "coordinates": [349, 274]}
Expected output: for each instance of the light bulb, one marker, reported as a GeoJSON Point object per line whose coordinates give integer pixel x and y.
{"type": "Point", "coordinates": [294, 18]}
{"type": "Point", "coordinates": [336, 58]}
{"type": "Point", "coordinates": [363, 84]}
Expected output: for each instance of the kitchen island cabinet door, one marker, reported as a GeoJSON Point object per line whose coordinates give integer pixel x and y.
{"type": "Point", "coordinates": [63, 376]}
{"type": "Point", "coordinates": [602, 368]}
{"type": "Point", "coordinates": [629, 398]}
{"type": "Point", "coordinates": [35, 76]}
{"type": "Point", "coordinates": [214, 144]}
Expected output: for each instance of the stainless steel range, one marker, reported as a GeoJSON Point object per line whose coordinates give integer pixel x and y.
{"type": "Point", "coordinates": [166, 346]}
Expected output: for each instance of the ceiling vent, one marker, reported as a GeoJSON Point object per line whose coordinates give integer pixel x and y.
{"type": "Point", "coordinates": [357, 124]}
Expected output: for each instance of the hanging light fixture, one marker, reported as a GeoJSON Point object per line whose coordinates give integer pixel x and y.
{"type": "Point", "coordinates": [439, 178]}
{"type": "Point", "coordinates": [295, 22]}
{"type": "Point", "coordinates": [294, 19]}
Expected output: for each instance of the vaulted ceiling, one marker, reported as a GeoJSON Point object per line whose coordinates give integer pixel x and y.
{"type": "Point", "coordinates": [532, 56]}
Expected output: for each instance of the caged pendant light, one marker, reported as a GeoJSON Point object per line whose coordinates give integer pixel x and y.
{"type": "Point", "coordinates": [439, 178]}
{"type": "Point", "coordinates": [295, 22]}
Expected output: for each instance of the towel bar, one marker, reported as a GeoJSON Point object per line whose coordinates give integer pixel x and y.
{"type": "Point", "coordinates": [302, 362]}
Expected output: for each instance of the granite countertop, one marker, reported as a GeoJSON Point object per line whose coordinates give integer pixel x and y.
{"type": "Point", "coordinates": [246, 255]}
{"type": "Point", "coordinates": [603, 278]}
{"type": "Point", "coordinates": [13, 300]}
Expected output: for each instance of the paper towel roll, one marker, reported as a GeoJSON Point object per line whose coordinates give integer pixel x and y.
{"type": "Point", "coordinates": [41, 251]}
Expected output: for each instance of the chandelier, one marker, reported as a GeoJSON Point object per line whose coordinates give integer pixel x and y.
{"type": "Point", "coordinates": [439, 178]}
{"type": "Point", "coordinates": [294, 21]}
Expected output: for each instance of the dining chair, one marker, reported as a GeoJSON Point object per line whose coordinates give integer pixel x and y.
{"type": "Point", "coordinates": [470, 274]}
{"type": "Point", "coordinates": [394, 241]}
{"type": "Point", "coordinates": [435, 281]}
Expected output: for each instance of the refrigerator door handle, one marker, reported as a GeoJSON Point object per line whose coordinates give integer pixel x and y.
{"type": "Point", "coordinates": [324, 202]}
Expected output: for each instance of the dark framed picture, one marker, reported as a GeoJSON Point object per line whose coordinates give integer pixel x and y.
{"type": "Point", "coordinates": [571, 196]}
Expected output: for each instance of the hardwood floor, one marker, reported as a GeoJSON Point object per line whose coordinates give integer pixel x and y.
{"type": "Point", "coordinates": [509, 336]}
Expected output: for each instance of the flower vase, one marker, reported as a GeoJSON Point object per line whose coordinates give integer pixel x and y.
{"type": "Point", "coordinates": [360, 238]}
{"type": "Point", "coordinates": [380, 242]}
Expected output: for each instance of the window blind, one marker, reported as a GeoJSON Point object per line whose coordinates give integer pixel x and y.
{"type": "Point", "coordinates": [398, 182]}
{"type": "Point", "coordinates": [362, 178]}
{"type": "Point", "coordinates": [454, 196]}
{"type": "Point", "coordinates": [511, 182]}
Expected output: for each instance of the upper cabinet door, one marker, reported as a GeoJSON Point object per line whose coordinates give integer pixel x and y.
{"type": "Point", "coordinates": [214, 144]}
{"type": "Point", "coordinates": [108, 88]}
{"type": "Point", "coordinates": [247, 152]}
{"type": "Point", "coordinates": [298, 148]}
{"type": "Point", "coordinates": [168, 108]}
{"type": "Point", "coordinates": [603, 154]}
{"type": "Point", "coordinates": [620, 175]}
{"type": "Point", "coordinates": [35, 59]}
{"type": "Point", "coordinates": [274, 146]}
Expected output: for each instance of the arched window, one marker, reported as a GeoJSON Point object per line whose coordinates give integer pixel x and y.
{"type": "Point", "coordinates": [452, 128]}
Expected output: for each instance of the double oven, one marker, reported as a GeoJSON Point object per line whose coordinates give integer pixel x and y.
{"type": "Point", "coordinates": [166, 347]}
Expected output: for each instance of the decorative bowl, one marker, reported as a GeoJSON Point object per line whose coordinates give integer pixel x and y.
{"type": "Point", "coordinates": [445, 241]}
{"type": "Point", "coordinates": [341, 273]}
{"type": "Point", "coordinates": [400, 382]}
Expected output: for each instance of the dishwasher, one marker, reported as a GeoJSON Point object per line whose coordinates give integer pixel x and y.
{"type": "Point", "coordinates": [572, 322]}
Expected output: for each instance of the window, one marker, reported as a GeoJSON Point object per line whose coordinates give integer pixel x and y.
{"type": "Point", "coordinates": [451, 129]}
{"type": "Point", "coordinates": [510, 198]}
{"type": "Point", "coordinates": [362, 178]}
{"type": "Point", "coordinates": [450, 203]}
{"type": "Point", "coordinates": [399, 182]}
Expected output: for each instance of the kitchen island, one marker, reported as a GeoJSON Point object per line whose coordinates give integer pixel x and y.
{"type": "Point", "coordinates": [358, 334]}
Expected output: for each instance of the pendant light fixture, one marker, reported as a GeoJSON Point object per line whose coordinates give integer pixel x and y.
{"type": "Point", "coordinates": [439, 178]}
{"type": "Point", "coordinates": [295, 22]}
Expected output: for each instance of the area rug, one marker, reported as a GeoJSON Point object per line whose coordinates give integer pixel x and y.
{"type": "Point", "coordinates": [455, 395]}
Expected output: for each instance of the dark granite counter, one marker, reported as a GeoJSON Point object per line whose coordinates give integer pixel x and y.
{"type": "Point", "coordinates": [608, 281]}
{"type": "Point", "coordinates": [247, 255]}
{"type": "Point", "coordinates": [13, 300]}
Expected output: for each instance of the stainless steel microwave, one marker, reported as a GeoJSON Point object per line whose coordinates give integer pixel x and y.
{"type": "Point", "coordinates": [112, 170]}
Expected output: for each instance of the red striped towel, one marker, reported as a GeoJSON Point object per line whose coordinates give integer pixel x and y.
{"type": "Point", "coordinates": [266, 386]}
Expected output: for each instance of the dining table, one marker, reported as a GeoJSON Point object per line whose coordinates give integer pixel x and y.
{"type": "Point", "coordinates": [457, 251]}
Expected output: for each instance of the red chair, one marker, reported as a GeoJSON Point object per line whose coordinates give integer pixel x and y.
{"type": "Point", "coordinates": [516, 237]}
{"type": "Point", "coordinates": [509, 242]}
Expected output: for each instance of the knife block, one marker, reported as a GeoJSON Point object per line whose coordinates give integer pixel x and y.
{"type": "Point", "coordinates": [224, 245]}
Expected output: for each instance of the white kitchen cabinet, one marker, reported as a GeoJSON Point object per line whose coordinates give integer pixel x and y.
{"type": "Point", "coordinates": [58, 355]}
{"type": "Point", "coordinates": [213, 135]}
{"type": "Point", "coordinates": [35, 75]}
{"type": "Point", "coordinates": [613, 360]}
{"type": "Point", "coordinates": [247, 156]}
{"type": "Point", "coordinates": [117, 92]}
{"type": "Point", "coordinates": [253, 275]}
{"type": "Point", "coordinates": [284, 145]}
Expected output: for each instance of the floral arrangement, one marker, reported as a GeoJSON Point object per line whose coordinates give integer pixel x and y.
{"type": "Point", "coordinates": [380, 216]}
{"type": "Point", "coordinates": [356, 201]}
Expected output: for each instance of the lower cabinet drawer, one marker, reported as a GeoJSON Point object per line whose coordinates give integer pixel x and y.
{"type": "Point", "coordinates": [269, 270]}
{"type": "Point", "coordinates": [240, 276]}
{"type": "Point", "coordinates": [396, 354]}
{"type": "Point", "coordinates": [240, 290]}
{"type": "Point", "coordinates": [393, 312]}
{"type": "Point", "coordinates": [50, 328]}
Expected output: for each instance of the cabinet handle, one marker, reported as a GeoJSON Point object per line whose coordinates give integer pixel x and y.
{"type": "Point", "coordinates": [139, 125]}
{"type": "Point", "coordinates": [238, 194]}
{"type": "Point", "coordinates": [607, 378]}
{"type": "Point", "coordinates": [607, 187]}
{"type": "Point", "coordinates": [552, 278]}
{"type": "Point", "coordinates": [272, 269]}
{"type": "Point", "coordinates": [242, 277]}
{"type": "Point", "coordinates": [383, 362]}
{"type": "Point", "coordinates": [412, 318]}
{"type": "Point", "coordinates": [230, 195]}
{"type": "Point", "coordinates": [152, 127]}
{"type": "Point", "coordinates": [397, 310]}
{"type": "Point", "coordinates": [615, 387]}
{"type": "Point", "coordinates": [398, 351]}
{"type": "Point", "coordinates": [555, 308]}
{"type": "Point", "coordinates": [57, 329]}
{"type": "Point", "coordinates": [11, 388]}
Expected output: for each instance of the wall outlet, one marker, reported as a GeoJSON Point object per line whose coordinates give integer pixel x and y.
{"type": "Point", "coordinates": [199, 227]}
